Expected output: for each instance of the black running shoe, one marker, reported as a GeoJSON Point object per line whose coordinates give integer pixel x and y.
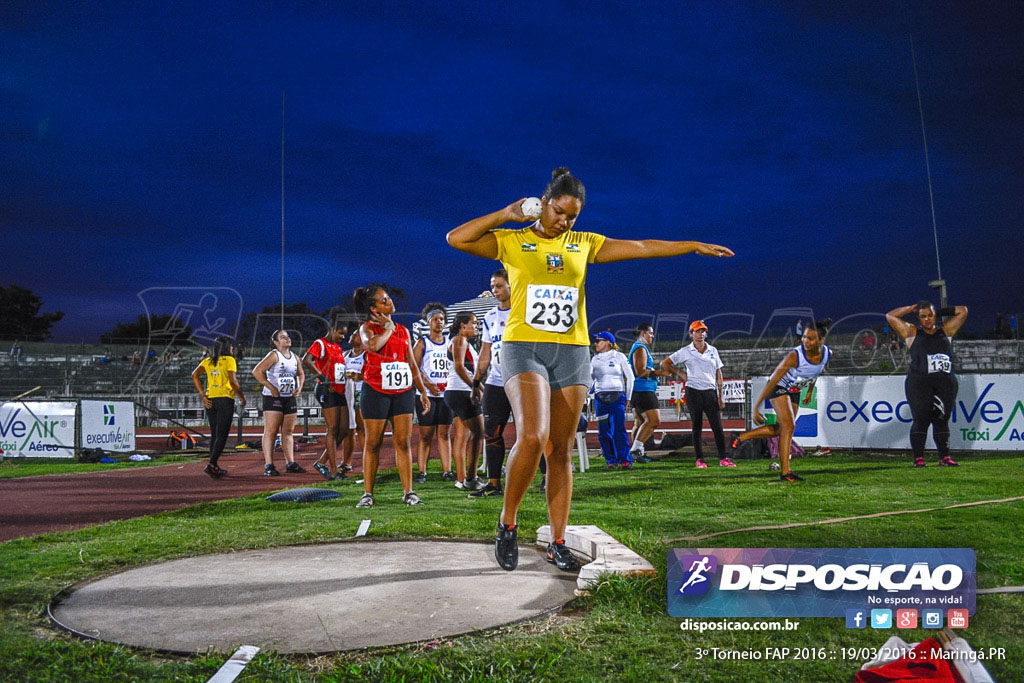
{"type": "Point", "coordinates": [322, 469]}
{"type": "Point", "coordinates": [448, 476]}
{"type": "Point", "coordinates": [560, 556]}
{"type": "Point", "coordinates": [270, 471]}
{"type": "Point", "coordinates": [506, 547]}
{"type": "Point", "coordinates": [790, 477]}
{"type": "Point", "coordinates": [420, 478]}
{"type": "Point", "coordinates": [215, 471]}
{"type": "Point", "coordinates": [294, 468]}
{"type": "Point", "coordinates": [487, 491]}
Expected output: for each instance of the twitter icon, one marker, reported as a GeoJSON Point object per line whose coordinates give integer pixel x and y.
{"type": "Point", "coordinates": [881, 618]}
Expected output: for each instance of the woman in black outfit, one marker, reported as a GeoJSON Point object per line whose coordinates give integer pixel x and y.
{"type": "Point", "coordinates": [931, 385]}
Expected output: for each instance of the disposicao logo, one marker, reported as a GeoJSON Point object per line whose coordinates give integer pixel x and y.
{"type": "Point", "coordinates": [816, 582]}
{"type": "Point", "coordinates": [696, 581]}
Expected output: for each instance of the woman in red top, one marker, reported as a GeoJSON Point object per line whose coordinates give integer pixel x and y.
{"type": "Point", "coordinates": [326, 361]}
{"type": "Point", "coordinates": [389, 373]}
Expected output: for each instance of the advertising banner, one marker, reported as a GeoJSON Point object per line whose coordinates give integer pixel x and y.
{"type": "Point", "coordinates": [734, 391]}
{"type": "Point", "coordinates": [109, 425]}
{"type": "Point", "coordinates": [37, 429]}
{"type": "Point", "coordinates": [872, 412]}
{"type": "Point", "coordinates": [818, 582]}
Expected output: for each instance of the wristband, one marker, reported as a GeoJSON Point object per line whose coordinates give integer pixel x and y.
{"type": "Point", "coordinates": [477, 383]}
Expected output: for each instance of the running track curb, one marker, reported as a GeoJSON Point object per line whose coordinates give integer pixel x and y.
{"type": "Point", "coordinates": [837, 520]}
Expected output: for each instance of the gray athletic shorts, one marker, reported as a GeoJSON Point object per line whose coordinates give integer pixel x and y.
{"type": "Point", "coordinates": [562, 365]}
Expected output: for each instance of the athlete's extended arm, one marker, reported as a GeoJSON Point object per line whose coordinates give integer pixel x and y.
{"type": "Point", "coordinates": [625, 250]}
{"type": "Point", "coordinates": [474, 237]}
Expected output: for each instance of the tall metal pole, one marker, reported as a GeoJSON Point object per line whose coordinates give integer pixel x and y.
{"type": "Point", "coordinates": [938, 283]}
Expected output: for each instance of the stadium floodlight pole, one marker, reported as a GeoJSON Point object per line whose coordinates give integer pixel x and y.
{"type": "Point", "coordinates": [938, 283]}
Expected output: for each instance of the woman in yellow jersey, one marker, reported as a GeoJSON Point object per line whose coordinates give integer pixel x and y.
{"type": "Point", "coordinates": [219, 397]}
{"type": "Point", "coordinates": [545, 357]}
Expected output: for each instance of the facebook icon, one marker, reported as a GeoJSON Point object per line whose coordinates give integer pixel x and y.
{"type": "Point", "coordinates": [856, 618]}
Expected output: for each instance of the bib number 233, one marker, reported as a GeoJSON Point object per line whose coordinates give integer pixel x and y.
{"type": "Point", "coordinates": [552, 308]}
{"type": "Point", "coordinates": [395, 376]}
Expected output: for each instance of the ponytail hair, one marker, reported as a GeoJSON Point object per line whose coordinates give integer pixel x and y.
{"type": "Point", "coordinates": [461, 318]}
{"type": "Point", "coordinates": [640, 329]}
{"type": "Point", "coordinates": [362, 298]}
{"type": "Point", "coordinates": [822, 326]}
{"type": "Point", "coordinates": [221, 347]}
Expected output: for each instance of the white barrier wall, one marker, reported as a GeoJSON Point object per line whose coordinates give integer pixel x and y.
{"type": "Point", "coordinates": [38, 429]}
{"type": "Point", "coordinates": [109, 425]}
{"type": "Point", "coordinates": [872, 412]}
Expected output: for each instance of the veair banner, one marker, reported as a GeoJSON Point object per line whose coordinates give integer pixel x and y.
{"type": "Point", "coordinates": [872, 412]}
{"type": "Point", "coordinates": [817, 582]}
{"type": "Point", "coordinates": [37, 429]}
{"type": "Point", "coordinates": [109, 425]}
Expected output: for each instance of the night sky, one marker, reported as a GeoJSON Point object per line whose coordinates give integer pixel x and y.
{"type": "Point", "coordinates": [141, 147]}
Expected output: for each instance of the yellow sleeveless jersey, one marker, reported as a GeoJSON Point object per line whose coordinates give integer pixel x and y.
{"type": "Point", "coordinates": [217, 383]}
{"type": "Point", "coordinates": [547, 278]}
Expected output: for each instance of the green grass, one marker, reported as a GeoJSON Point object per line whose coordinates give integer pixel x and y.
{"type": "Point", "coordinates": [35, 467]}
{"type": "Point", "coordinates": [620, 632]}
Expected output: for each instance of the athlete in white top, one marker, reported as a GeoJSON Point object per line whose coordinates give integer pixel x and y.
{"type": "Point", "coordinates": [612, 386]}
{"type": "Point", "coordinates": [281, 375]}
{"type": "Point", "coordinates": [354, 360]}
{"type": "Point", "coordinates": [795, 373]}
{"type": "Point", "coordinates": [497, 409]}
{"type": "Point", "coordinates": [463, 396]}
{"type": "Point", "coordinates": [700, 366]}
{"type": "Point", "coordinates": [611, 372]}
{"type": "Point", "coordinates": [431, 353]}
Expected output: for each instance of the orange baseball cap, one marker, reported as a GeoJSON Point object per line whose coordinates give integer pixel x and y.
{"type": "Point", "coordinates": [697, 325]}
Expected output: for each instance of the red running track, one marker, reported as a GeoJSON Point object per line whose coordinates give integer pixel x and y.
{"type": "Point", "coordinates": [37, 505]}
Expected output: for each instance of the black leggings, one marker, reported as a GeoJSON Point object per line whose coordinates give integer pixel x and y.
{"type": "Point", "coordinates": [701, 402]}
{"type": "Point", "coordinates": [931, 400]}
{"type": "Point", "coordinates": [220, 414]}
{"type": "Point", "coordinates": [497, 410]}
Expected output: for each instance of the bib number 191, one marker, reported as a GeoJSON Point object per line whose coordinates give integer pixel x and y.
{"type": "Point", "coordinates": [395, 376]}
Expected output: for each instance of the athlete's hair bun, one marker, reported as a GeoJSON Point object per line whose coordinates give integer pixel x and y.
{"type": "Point", "coordinates": [564, 184]}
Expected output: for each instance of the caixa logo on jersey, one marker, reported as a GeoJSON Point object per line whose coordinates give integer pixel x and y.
{"type": "Point", "coordinates": [816, 582]}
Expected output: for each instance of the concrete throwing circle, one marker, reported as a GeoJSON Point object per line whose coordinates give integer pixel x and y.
{"type": "Point", "coordinates": [313, 599]}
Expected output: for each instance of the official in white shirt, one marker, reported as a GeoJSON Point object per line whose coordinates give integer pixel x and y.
{"type": "Point", "coordinates": [700, 366]}
{"type": "Point", "coordinates": [612, 386]}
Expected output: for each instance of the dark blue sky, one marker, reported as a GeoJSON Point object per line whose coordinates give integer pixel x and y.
{"type": "Point", "coordinates": [141, 148]}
